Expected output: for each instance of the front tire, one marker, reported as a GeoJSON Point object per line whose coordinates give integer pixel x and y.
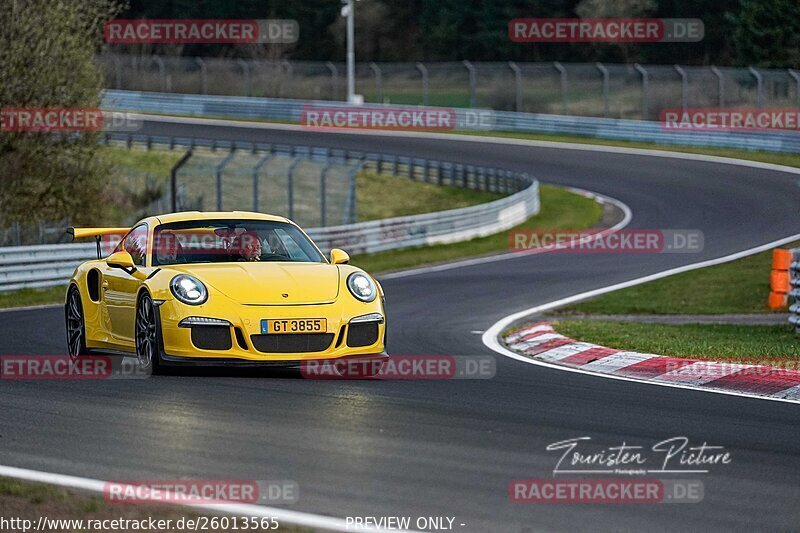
{"type": "Point", "coordinates": [148, 335]}
{"type": "Point", "coordinates": [76, 328]}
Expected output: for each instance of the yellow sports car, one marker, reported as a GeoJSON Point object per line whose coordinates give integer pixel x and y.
{"type": "Point", "coordinates": [227, 288]}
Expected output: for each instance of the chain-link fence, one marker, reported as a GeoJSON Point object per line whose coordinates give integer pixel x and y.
{"type": "Point", "coordinates": [583, 89]}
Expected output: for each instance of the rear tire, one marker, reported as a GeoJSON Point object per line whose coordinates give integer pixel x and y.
{"type": "Point", "coordinates": [148, 335]}
{"type": "Point", "coordinates": [76, 328]}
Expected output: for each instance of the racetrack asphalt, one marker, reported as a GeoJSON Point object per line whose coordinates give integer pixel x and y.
{"type": "Point", "coordinates": [445, 447]}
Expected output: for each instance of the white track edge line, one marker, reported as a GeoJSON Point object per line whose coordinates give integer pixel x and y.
{"type": "Point", "coordinates": [282, 515]}
{"type": "Point", "coordinates": [491, 340]}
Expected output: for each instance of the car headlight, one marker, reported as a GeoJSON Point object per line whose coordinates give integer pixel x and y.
{"type": "Point", "coordinates": [188, 289]}
{"type": "Point", "coordinates": [362, 287]}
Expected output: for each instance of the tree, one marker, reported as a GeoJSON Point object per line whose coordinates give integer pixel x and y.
{"type": "Point", "coordinates": [768, 33]}
{"type": "Point", "coordinates": [47, 52]}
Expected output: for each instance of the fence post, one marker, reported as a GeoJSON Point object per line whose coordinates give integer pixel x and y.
{"type": "Point", "coordinates": [287, 66]}
{"type": "Point", "coordinates": [117, 70]}
{"type": "Point", "coordinates": [645, 85]}
{"type": "Point", "coordinates": [759, 86]}
{"type": "Point", "coordinates": [323, 193]}
{"type": "Point", "coordinates": [162, 72]}
{"type": "Point", "coordinates": [334, 80]}
{"type": "Point", "coordinates": [203, 74]}
{"type": "Point", "coordinates": [473, 82]}
{"type": "Point", "coordinates": [378, 80]}
{"type": "Point", "coordinates": [684, 86]}
{"type": "Point", "coordinates": [423, 70]}
{"type": "Point", "coordinates": [220, 166]}
{"type": "Point", "coordinates": [173, 183]}
{"type": "Point", "coordinates": [246, 72]}
{"type": "Point", "coordinates": [604, 71]}
{"type": "Point", "coordinates": [290, 185]}
{"type": "Point", "coordinates": [518, 86]}
{"type": "Point", "coordinates": [563, 75]}
{"type": "Point", "coordinates": [256, 169]}
{"type": "Point", "coordinates": [796, 77]}
{"type": "Point", "coordinates": [720, 86]}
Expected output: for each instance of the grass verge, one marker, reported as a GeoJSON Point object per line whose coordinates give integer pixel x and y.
{"type": "Point", "coordinates": [561, 210]}
{"type": "Point", "coordinates": [29, 501]}
{"type": "Point", "coordinates": [741, 286]}
{"type": "Point", "coordinates": [409, 197]}
{"type": "Point", "coordinates": [746, 344]}
{"type": "Point", "coordinates": [26, 297]}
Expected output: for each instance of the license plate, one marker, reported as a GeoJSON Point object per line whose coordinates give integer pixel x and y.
{"type": "Point", "coordinates": [294, 325]}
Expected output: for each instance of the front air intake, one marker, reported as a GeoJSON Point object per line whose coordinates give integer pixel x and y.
{"type": "Point", "coordinates": [292, 343]}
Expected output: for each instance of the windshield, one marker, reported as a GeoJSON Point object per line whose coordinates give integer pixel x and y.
{"type": "Point", "coordinates": [224, 241]}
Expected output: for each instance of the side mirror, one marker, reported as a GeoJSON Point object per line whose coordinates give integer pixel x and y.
{"type": "Point", "coordinates": [121, 259]}
{"type": "Point", "coordinates": [339, 257]}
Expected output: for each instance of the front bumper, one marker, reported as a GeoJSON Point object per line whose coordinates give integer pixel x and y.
{"type": "Point", "coordinates": [246, 343]}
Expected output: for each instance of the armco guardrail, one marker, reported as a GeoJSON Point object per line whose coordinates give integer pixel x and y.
{"type": "Point", "coordinates": [236, 107]}
{"type": "Point", "coordinates": [50, 265]}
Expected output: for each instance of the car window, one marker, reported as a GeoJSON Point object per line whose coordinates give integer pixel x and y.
{"type": "Point", "coordinates": [235, 240]}
{"type": "Point", "coordinates": [135, 243]}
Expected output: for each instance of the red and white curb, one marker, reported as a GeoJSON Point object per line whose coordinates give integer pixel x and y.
{"type": "Point", "coordinates": [541, 342]}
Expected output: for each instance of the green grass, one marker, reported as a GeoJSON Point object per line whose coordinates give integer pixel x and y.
{"type": "Point", "coordinates": [25, 297]}
{"type": "Point", "coordinates": [735, 343]}
{"type": "Point", "coordinates": [741, 286]}
{"type": "Point", "coordinates": [560, 210]}
{"type": "Point", "coordinates": [409, 197]}
{"type": "Point", "coordinates": [155, 162]}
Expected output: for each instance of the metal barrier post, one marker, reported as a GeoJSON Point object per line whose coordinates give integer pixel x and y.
{"type": "Point", "coordinates": [220, 166]}
{"type": "Point", "coordinates": [162, 72]}
{"type": "Point", "coordinates": [759, 87]}
{"type": "Point", "coordinates": [334, 80]}
{"type": "Point", "coordinates": [604, 71]}
{"type": "Point", "coordinates": [684, 86]}
{"type": "Point", "coordinates": [473, 82]}
{"type": "Point", "coordinates": [720, 86]}
{"type": "Point", "coordinates": [378, 80]}
{"type": "Point", "coordinates": [173, 184]}
{"type": "Point", "coordinates": [247, 79]}
{"type": "Point", "coordinates": [518, 86]}
{"type": "Point", "coordinates": [290, 185]}
{"type": "Point", "coordinates": [645, 84]}
{"type": "Point", "coordinates": [563, 74]}
{"type": "Point", "coordinates": [203, 74]}
{"type": "Point", "coordinates": [117, 70]}
{"type": "Point", "coordinates": [796, 77]}
{"type": "Point", "coordinates": [424, 72]}
{"type": "Point", "coordinates": [256, 169]}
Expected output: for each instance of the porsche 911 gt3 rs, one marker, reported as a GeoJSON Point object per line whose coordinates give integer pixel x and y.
{"type": "Point", "coordinates": [222, 288]}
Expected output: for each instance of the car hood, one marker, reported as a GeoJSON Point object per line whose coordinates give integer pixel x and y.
{"type": "Point", "coordinates": [269, 283]}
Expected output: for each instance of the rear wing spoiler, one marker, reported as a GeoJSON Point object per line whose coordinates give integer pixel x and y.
{"type": "Point", "coordinates": [97, 233]}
